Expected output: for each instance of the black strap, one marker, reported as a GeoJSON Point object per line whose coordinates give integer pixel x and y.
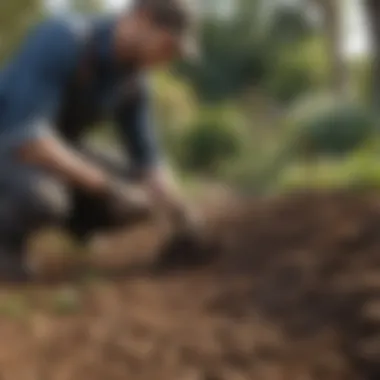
{"type": "Point", "coordinates": [75, 111]}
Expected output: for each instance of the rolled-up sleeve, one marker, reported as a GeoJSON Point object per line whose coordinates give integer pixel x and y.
{"type": "Point", "coordinates": [34, 82]}
{"type": "Point", "coordinates": [137, 129]}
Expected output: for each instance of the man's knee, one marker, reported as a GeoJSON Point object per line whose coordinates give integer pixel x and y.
{"type": "Point", "coordinates": [110, 160]}
{"type": "Point", "coordinates": [49, 201]}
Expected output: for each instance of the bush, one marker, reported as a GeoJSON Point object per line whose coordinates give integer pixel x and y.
{"type": "Point", "coordinates": [297, 70]}
{"type": "Point", "coordinates": [359, 170]}
{"type": "Point", "coordinates": [210, 141]}
{"type": "Point", "coordinates": [330, 128]}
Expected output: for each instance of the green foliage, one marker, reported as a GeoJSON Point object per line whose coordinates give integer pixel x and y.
{"type": "Point", "coordinates": [309, 150]}
{"type": "Point", "coordinates": [66, 301]}
{"type": "Point", "coordinates": [230, 62]}
{"type": "Point", "coordinates": [288, 27]}
{"type": "Point", "coordinates": [360, 70]}
{"type": "Point", "coordinates": [243, 50]}
{"type": "Point", "coordinates": [209, 142]}
{"type": "Point", "coordinates": [15, 307]}
{"type": "Point", "coordinates": [358, 171]}
{"type": "Point", "coordinates": [17, 17]}
{"type": "Point", "coordinates": [174, 101]}
{"type": "Point", "coordinates": [297, 70]}
{"type": "Point", "coordinates": [329, 127]}
{"type": "Point", "coordinates": [85, 6]}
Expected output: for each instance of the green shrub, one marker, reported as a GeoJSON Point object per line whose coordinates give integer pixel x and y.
{"type": "Point", "coordinates": [297, 70]}
{"type": "Point", "coordinates": [331, 128]}
{"type": "Point", "coordinates": [210, 141]}
{"type": "Point", "coordinates": [359, 170]}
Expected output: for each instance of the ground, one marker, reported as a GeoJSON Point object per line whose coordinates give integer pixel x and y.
{"type": "Point", "coordinates": [292, 293]}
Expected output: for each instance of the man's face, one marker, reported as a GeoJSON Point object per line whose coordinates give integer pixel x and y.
{"type": "Point", "coordinates": [156, 45]}
{"type": "Point", "coordinates": [140, 41]}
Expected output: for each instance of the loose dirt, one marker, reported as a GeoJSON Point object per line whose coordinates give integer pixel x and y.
{"type": "Point", "coordinates": [292, 293]}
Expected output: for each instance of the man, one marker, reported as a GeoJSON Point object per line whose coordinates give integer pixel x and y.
{"type": "Point", "coordinates": [68, 75]}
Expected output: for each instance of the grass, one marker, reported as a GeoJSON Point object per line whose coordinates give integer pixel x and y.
{"type": "Point", "coordinates": [65, 301]}
{"type": "Point", "coordinates": [358, 171]}
{"type": "Point", "coordinates": [15, 306]}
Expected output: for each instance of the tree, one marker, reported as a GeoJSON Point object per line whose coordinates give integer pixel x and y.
{"type": "Point", "coordinates": [331, 16]}
{"type": "Point", "coordinates": [16, 17]}
{"type": "Point", "coordinates": [81, 6]}
{"type": "Point", "coordinates": [85, 6]}
{"type": "Point", "coordinates": [373, 15]}
{"type": "Point", "coordinates": [240, 50]}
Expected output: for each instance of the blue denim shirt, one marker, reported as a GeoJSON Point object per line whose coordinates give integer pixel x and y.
{"type": "Point", "coordinates": [33, 87]}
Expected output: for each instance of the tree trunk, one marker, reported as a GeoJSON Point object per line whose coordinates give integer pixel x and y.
{"type": "Point", "coordinates": [331, 12]}
{"type": "Point", "coordinates": [373, 16]}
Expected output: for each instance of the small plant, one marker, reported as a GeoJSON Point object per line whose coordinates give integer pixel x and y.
{"type": "Point", "coordinates": [14, 307]}
{"type": "Point", "coordinates": [331, 128]}
{"type": "Point", "coordinates": [66, 301]}
{"type": "Point", "coordinates": [209, 142]}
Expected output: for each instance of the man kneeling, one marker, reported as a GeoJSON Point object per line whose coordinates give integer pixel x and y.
{"type": "Point", "coordinates": [69, 74]}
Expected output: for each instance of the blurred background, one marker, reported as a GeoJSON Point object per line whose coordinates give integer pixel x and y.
{"type": "Point", "coordinates": [285, 97]}
{"type": "Point", "coordinates": [286, 94]}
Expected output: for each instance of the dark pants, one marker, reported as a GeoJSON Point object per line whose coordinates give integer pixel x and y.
{"type": "Point", "coordinates": [31, 198]}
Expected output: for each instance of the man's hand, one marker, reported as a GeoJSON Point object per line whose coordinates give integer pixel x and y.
{"type": "Point", "coordinates": [127, 202]}
{"type": "Point", "coordinates": [54, 155]}
{"type": "Point", "coordinates": [124, 201]}
{"type": "Point", "coordinates": [162, 185]}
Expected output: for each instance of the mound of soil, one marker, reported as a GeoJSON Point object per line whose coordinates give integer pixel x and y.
{"type": "Point", "coordinates": [293, 293]}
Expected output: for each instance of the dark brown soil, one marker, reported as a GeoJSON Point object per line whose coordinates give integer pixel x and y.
{"type": "Point", "coordinates": [292, 294]}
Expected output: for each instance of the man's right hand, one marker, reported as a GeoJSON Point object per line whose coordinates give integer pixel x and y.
{"type": "Point", "coordinates": [54, 155]}
{"type": "Point", "coordinates": [124, 200]}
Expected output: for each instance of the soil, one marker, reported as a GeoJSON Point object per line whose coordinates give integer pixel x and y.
{"type": "Point", "coordinates": [291, 292]}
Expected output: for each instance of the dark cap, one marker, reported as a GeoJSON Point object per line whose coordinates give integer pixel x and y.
{"type": "Point", "coordinates": [178, 17]}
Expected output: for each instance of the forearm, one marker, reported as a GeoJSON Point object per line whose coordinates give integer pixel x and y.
{"type": "Point", "coordinates": [55, 156]}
